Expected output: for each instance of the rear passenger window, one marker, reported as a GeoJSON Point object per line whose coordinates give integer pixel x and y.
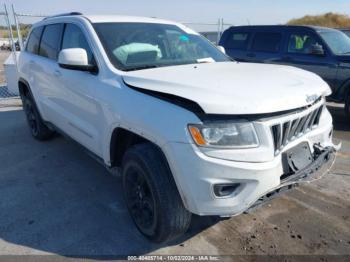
{"type": "Point", "coordinates": [33, 41]}
{"type": "Point", "coordinates": [74, 38]}
{"type": "Point", "coordinates": [50, 41]}
{"type": "Point", "coordinates": [237, 41]}
{"type": "Point", "coordinates": [301, 43]}
{"type": "Point", "coordinates": [267, 42]}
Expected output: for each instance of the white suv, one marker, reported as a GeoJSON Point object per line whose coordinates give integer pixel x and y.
{"type": "Point", "coordinates": [190, 130]}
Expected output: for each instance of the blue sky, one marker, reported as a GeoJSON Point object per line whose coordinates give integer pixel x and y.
{"type": "Point", "coordinates": [233, 11]}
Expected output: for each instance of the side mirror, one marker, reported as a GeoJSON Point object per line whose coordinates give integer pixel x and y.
{"type": "Point", "coordinates": [222, 49]}
{"type": "Point", "coordinates": [75, 59]}
{"type": "Point", "coordinates": [317, 50]}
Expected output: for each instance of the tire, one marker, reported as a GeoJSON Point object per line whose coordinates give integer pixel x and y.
{"type": "Point", "coordinates": [151, 194]}
{"type": "Point", "coordinates": [347, 106]}
{"type": "Point", "coordinates": [37, 126]}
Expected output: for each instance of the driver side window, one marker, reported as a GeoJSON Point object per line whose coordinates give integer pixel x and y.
{"type": "Point", "coordinates": [74, 38]}
{"type": "Point", "coordinates": [302, 43]}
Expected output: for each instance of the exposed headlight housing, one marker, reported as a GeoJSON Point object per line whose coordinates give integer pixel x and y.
{"type": "Point", "coordinates": [225, 135]}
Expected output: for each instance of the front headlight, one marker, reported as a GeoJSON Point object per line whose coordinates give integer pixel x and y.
{"type": "Point", "coordinates": [225, 135]}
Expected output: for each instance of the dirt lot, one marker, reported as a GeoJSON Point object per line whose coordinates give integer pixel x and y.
{"type": "Point", "coordinates": [54, 199]}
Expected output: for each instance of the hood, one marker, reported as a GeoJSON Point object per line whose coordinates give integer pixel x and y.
{"type": "Point", "coordinates": [234, 88]}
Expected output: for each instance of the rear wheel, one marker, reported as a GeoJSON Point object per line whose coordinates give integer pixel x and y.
{"type": "Point", "coordinates": [37, 127]}
{"type": "Point", "coordinates": [347, 106]}
{"type": "Point", "coordinates": [151, 194]}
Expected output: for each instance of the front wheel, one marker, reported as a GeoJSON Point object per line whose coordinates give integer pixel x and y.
{"type": "Point", "coordinates": [151, 194]}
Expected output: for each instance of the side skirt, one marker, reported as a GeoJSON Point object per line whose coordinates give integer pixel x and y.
{"type": "Point", "coordinates": [113, 170]}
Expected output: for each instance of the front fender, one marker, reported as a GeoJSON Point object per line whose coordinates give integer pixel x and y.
{"type": "Point", "coordinates": [149, 117]}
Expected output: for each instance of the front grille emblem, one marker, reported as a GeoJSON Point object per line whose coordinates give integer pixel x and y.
{"type": "Point", "coordinates": [311, 98]}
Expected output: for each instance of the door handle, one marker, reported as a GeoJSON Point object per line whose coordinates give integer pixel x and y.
{"type": "Point", "coordinates": [57, 73]}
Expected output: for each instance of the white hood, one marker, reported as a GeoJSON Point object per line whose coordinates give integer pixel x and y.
{"type": "Point", "coordinates": [234, 88]}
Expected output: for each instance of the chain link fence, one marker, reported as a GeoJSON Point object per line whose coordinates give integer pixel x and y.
{"type": "Point", "coordinates": [12, 41]}
{"type": "Point", "coordinates": [5, 93]}
{"type": "Point", "coordinates": [212, 31]}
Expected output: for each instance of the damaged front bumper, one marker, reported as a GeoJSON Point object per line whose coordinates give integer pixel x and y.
{"type": "Point", "coordinates": [323, 161]}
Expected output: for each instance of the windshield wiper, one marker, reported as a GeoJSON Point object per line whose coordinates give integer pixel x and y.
{"type": "Point", "coordinates": [141, 67]}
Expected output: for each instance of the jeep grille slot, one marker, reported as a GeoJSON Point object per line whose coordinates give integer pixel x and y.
{"type": "Point", "coordinates": [285, 132]}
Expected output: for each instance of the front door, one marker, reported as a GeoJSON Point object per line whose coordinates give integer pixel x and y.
{"type": "Point", "coordinates": [299, 53]}
{"type": "Point", "coordinates": [74, 95]}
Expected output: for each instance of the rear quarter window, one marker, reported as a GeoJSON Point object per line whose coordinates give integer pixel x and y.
{"type": "Point", "coordinates": [237, 40]}
{"type": "Point", "coordinates": [34, 39]}
{"type": "Point", "coordinates": [267, 42]}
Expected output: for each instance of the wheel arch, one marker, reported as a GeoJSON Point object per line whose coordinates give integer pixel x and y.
{"type": "Point", "coordinates": [122, 139]}
{"type": "Point", "coordinates": [24, 87]}
{"type": "Point", "coordinates": [344, 91]}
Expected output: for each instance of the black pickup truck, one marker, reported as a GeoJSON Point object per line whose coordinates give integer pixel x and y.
{"type": "Point", "coordinates": [323, 51]}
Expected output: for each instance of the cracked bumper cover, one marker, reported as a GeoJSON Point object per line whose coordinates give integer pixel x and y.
{"type": "Point", "coordinates": [323, 161]}
{"type": "Point", "coordinates": [196, 174]}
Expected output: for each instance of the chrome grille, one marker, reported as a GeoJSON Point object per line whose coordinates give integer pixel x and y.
{"type": "Point", "coordinates": [285, 132]}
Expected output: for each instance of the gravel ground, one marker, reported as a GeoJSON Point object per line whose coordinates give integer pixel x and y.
{"type": "Point", "coordinates": [55, 200]}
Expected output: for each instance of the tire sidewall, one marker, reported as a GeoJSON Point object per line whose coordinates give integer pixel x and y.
{"type": "Point", "coordinates": [347, 105]}
{"type": "Point", "coordinates": [27, 101]}
{"type": "Point", "coordinates": [132, 160]}
{"type": "Point", "coordinates": [43, 132]}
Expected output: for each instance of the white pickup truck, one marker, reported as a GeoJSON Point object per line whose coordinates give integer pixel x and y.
{"type": "Point", "coordinates": [190, 130]}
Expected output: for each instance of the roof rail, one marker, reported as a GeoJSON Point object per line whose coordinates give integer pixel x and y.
{"type": "Point", "coordinates": [64, 14]}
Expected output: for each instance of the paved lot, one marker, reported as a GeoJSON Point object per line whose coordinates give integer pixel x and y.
{"type": "Point", "coordinates": [55, 199]}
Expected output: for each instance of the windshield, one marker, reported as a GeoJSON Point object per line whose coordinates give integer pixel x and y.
{"type": "Point", "coordinates": [337, 41]}
{"type": "Point", "coordinates": [135, 46]}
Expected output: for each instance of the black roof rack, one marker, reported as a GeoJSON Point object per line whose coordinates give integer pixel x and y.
{"type": "Point", "coordinates": [64, 14]}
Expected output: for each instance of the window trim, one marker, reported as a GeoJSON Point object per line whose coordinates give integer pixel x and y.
{"type": "Point", "coordinates": [249, 39]}
{"type": "Point", "coordinates": [312, 33]}
{"type": "Point", "coordinates": [280, 49]}
{"type": "Point", "coordinates": [41, 37]}
{"type": "Point", "coordinates": [86, 39]}
{"type": "Point", "coordinates": [31, 32]}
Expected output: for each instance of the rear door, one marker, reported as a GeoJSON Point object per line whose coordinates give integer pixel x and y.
{"type": "Point", "coordinates": [266, 47]}
{"type": "Point", "coordinates": [45, 69]}
{"type": "Point", "coordinates": [298, 52]}
{"type": "Point", "coordinates": [29, 66]}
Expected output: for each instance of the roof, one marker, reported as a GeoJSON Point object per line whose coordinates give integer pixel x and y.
{"type": "Point", "coordinates": [316, 28]}
{"type": "Point", "coordinates": [120, 18]}
{"type": "Point", "coordinates": [112, 18]}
